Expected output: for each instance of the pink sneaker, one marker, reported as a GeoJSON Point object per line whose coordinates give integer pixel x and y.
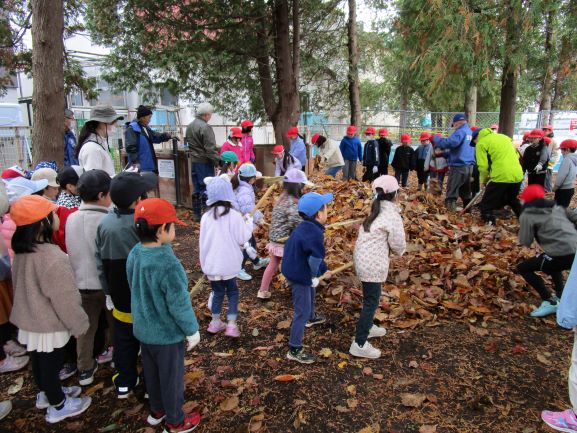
{"type": "Point", "coordinates": [565, 421]}
{"type": "Point", "coordinates": [232, 331]}
{"type": "Point", "coordinates": [106, 356]}
{"type": "Point", "coordinates": [216, 327]}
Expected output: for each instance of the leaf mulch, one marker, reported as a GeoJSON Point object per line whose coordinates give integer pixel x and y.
{"type": "Point", "coordinates": [461, 354]}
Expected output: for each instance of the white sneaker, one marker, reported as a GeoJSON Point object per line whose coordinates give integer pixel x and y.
{"type": "Point", "coordinates": [11, 363]}
{"type": "Point", "coordinates": [365, 351]}
{"type": "Point", "coordinates": [261, 264]}
{"type": "Point", "coordinates": [5, 408]}
{"type": "Point", "coordinates": [209, 303]}
{"type": "Point", "coordinates": [14, 349]}
{"type": "Point", "coordinates": [69, 391]}
{"type": "Point", "coordinates": [72, 407]}
{"type": "Point", "coordinates": [377, 331]}
{"type": "Point", "coordinates": [243, 275]}
{"type": "Point", "coordinates": [262, 294]}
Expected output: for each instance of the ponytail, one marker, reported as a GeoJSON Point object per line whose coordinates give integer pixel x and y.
{"type": "Point", "coordinates": [376, 207]}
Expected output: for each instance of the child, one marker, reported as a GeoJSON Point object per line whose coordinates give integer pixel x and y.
{"type": "Point", "coordinates": [227, 163]}
{"type": "Point", "coordinates": [403, 160]}
{"type": "Point", "coordinates": [285, 217]}
{"type": "Point", "coordinates": [438, 167]}
{"type": "Point", "coordinates": [223, 233]}
{"type": "Point", "coordinates": [47, 307]}
{"type": "Point", "coordinates": [242, 183]}
{"type": "Point", "coordinates": [303, 262]}
{"type": "Point", "coordinates": [52, 189]}
{"type": "Point", "coordinates": [371, 156]}
{"type": "Point", "coordinates": [94, 190]}
{"type": "Point", "coordinates": [565, 182]}
{"type": "Point", "coordinates": [247, 141]}
{"type": "Point", "coordinates": [297, 149]}
{"type": "Point", "coordinates": [329, 153]}
{"type": "Point", "coordinates": [115, 237]}
{"type": "Point", "coordinates": [553, 228]}
{"type": "Point", "coordinates": [536, 157]}
{"type": "Point", "coordinates": [283, 161]}
{"type": "Point", "coordinates": [161, 313]}
{"type": "Point", "coordinates": [352, 151]}
{"type": "Point", "coordinates": [382, 231]}
{"type": "Point", "coordinates": [423, 156]}
{"type": "Point", "coordinates": [68, 200]}
{"type": "Point", "coordinates": [234, 145]}
{"type": "Point", "coordinates": [385, 147]}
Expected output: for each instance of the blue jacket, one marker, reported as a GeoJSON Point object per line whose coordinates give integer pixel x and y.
{"type": "Point", "coordinates": [299, 150]}
{"type": "Point", "coordinates": [160, 302]}
{"type": "Point", "coordinates": [304, 253]}
{"type": "Point", "coordinates": [140, 148]}
{"type": "Point", "coordinates": [69, 146]}
{"type": "Point", "coordinates": [351, 148]}
{"type": "Point", "coordinates": [461, 153]}
{"type": "Point", "coordinates": [567, 310]}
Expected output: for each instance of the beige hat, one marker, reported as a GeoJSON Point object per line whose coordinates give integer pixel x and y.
{"type": "Point", "coordinates": [48, 174]}
{"type": "Point", "coordinates": [104, 114]}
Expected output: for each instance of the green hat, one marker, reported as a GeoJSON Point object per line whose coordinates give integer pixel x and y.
{"type": "Point", "coordinates": [229, 156]}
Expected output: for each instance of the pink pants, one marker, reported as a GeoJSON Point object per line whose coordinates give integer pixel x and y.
{"type": "Point", "coordinates": [269, 272]}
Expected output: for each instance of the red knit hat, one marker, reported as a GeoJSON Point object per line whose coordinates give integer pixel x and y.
{"type": "Point", "coordinates": [568, 144]}
{"type": "Point", "coordinates": [235, 132]}
{"type": "Point", "coordinates": [405, 138]}
{"type": "Point", "coordinates": [315, 138]}
{"type": "Point", "coordinates": [474, 128]}
{"type": "Point", "coordinates": [278, 149]}
{"type": "Point", "coordinates": [425, 136]}
{"type": "Point", "coordinates": [547, 140]}
{"type": "Point", "coordinates": [246, 124]}
{"type": "Point", "coordinates": [370, 130]}
{"type": "Point", "coordinates": [536, 133]}
{"type": "Point", "coordinates": [351, 130]}
{"type": "Point", "coordinates": [532, 192]}
{"type": "Point", "coordinates": [383, 132]}
{"type": "Point", "coordinates": [293, 132]}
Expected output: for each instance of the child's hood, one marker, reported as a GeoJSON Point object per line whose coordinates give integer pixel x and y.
{"type": "Point", "coordinates": [572, 157]}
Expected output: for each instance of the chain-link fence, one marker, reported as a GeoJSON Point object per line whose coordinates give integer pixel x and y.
{"type": "Point", "coordinates": [15, 147]}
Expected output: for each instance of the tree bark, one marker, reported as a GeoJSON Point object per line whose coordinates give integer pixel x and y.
{"type": "Point", "coordinates": [354, 94]}
{"type": "Point", "coordinates": [48, 86]}
{"type": "Point", "coordinates": [510, 70]}
{"type": "Point", "coordinates": [563, 66]}
{"type": "Point", "coordinates": [547, 80]}
{"type": "Point", "coordinates": [471, 103]}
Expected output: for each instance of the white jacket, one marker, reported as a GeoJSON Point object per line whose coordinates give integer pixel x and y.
{"type": "Point", "coordinates": [331, 154]}
{"type": "Point", "coordinates": [95, 155]}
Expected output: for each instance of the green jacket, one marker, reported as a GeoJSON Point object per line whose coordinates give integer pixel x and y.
{"type": "Point", "coordinates": [497, 158]}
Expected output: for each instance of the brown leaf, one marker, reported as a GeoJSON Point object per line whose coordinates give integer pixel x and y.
{"type": "Point", "coordinates": [229, 404]}
{"type": "Point", "coordinates": [413, 364]}
{"type": "Point", "coordinates": [287, 377]}
{"type": "Point", "coordinates": [412, 400]}
{"type": "Point", "coordinates": [370, 429]}
{"type": "Point", "coordinates": [342, 409]}
{"type": "Point", "coordinates": [189, 406]}
{"type": "Point", "coordinates": [428, 429]}
{"type": "Point", "coordinates": [285, 324]}
{"type": "Point", "coordinates": [352, 403]}
{"type": "Point", "coordinates": [133, 411]}
{"type": "Point", "coordinates": [94, 388]}
{"type": "Point", "coordinates": [543, 360]}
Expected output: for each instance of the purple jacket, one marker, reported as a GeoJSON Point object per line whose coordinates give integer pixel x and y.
{"type": "Point", "coordinates": [246, 200]}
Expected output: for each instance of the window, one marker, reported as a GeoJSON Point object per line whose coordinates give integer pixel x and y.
{"type": "Point", "coordinates": [106, 97]}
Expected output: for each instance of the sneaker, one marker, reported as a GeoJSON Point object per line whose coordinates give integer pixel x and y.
{"type": "Point", "coordinates": [261, 264]}
{"type": "Point", "coordinates": [545, 309]}
{"type": "Point", "coordinates": [299, 355]}
{"type": "Point", "coordinates": [216, 327]}
{"type": "Point", "coordinates": [244, 276]}
{"type": "Point", "coordinates": [155, 418]}
{"type": "Point", "coordinates": [232, 331]}
{"type": "Point", "coordinates": [11, 363]}
{"type": "Point", "coordinates": [105, 356]}
{"type": "Point", "coordinates": [262, 294]}
{"type": "Point", "coordinates": [123, 392]}
{"type": "Point", "coordinates": [68, 370]}
{"type": "Point", "coordinates": [565, 421]}
{"type": "Point", "coordinates": [190, 422]}
{"type": "Point", "coordinates": [377, 331]}
{"type": "Point", "coordinates": [365, 351]}
{"type": "Point", "coordinates": [209, 303]}
{"type": "Point", "coordinates": [317, 320]}
{"type": "Point", "coordinates": [87, 376]}
{"type": "Point", "coordinates": [14, 349]}
{"type": "Point", "coordinates": [72, 407]}
{"type": "Point", "coordinates": [5, 408]}
{"type": "Point", "coordinates": [69, 391]}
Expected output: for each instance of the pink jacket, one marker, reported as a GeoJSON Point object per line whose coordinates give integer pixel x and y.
{"type": "Point", "coordinates": [238, 150]}
{"type": "Point", "coordinates": [248, 147]}
{"type": "Point", "coordinates": [8, 228]}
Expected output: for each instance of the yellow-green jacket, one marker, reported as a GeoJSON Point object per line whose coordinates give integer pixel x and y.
{"type": "Point", "coordinates": [497, 158]}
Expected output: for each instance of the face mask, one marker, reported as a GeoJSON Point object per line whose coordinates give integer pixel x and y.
{"type": "Point", "coordinates": [110, 130]}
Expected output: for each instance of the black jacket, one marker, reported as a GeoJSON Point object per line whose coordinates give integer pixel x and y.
{"type": "Point", "coordinates": [371, 156]}
{"type": "Point", "coordinates": [534, 155]}
{"type": "Point", "coordinates": [385, 146]}
{"type": "Point", "coordinates": [404, 158]}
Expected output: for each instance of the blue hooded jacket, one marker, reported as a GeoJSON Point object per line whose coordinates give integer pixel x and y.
{"type": "Point", "coordinates": [351, 148]}
{"type": "Point", "coordinates": [69, 146]}
{"type": "Point", "coordinates": [461, 153]}
{"type": "Point", "coordinates": [299, 150]}
{"type": "Point", "coordinates": [140, 148]}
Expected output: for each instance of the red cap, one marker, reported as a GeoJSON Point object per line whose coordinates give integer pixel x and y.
{"type": "Point", "coordinates": [536, 133]}
{"type": "Point", "coordinates": [156, 211]}
{"type": "Point", "coordinates": [383, 132]}
{"type": "Point", "coordinates": [236, 132]}
{"type": "Point", "coordinates": [549, 127]}
{"type": "Point", "coordinates": [474, 128]}
{"type": "Point", "coordinates": [279, 148]}
{"type": "Point", "coordinates": [532, 192]}
{"type": "Point", "coordinates": [547, 140]}
{"type": "Point", "coordinates": [568, 144]}
{"type": "Point", "coordinates": [495, 126]}
{"type": "Point", "coordinates": [405, 138]}
{"type": "Point", "coordinates": [293, 132]}
{"type": "Point", "coordinates": [351, 130]}
{"type": "Point", "coordinates": [315, 138]}
{"type": "Point", "coordinates": [246, 124]}
{"type": "Point", "coordinates": [370, 130]}
{"type": "Point", "coordinates": [425, 136]}
{"type": "Point", "coordinates": [31, 209]}
{"type": "Point", "coordinates": [526, 135]}
{"type": "Point", "coordinates": [13, 172]}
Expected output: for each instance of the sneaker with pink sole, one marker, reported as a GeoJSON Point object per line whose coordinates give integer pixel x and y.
{"type": "Point", "coordinates": [565, 421]}
{"type": "Point", "coordinates": [106, 356]}
{"type": "Point", "coordinates": [232, 331]}
{"type": "Point", "coordinates": [216, 327]}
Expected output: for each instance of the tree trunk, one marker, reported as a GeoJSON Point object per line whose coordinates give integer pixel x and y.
{"type": "Point", "coordinates": [48, 86]}
{"type": "Point", "coordinates": [510, 70]}
{"type": "Point", "coordinates": [563, 66]}
{"type": "Point", "coordinates": [547, 81]}
{"type": "Point", "coordinates": [354, 95]}
{"type": "Point", "coordinates": [471, 103]}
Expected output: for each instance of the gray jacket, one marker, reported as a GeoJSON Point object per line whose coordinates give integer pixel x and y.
{"type": "Point", "coordinates": [201, 142]}
{"type": "Point", "coordinates": [567, 172]}
{"type": "Point", "coordinates": [552, 226]}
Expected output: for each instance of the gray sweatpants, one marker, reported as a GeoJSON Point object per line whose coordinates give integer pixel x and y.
{"type": "Point", "coordinates": [350, 170]}
{"type": "Point", "coordinates": [164, 377]}
{"type": "Point", "coordinates": [459, 183]}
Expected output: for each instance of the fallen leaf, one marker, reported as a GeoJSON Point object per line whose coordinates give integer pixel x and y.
{"type": "Point", "coordinates": [285, 324]}
{"type": "Point", "coordinates": [413, 364]}
{"type": "Point", "coordinates": [342, 364]}
{"type": "Point", "coordinates": [367, 371]}
{"type": "Point", "coordinates": [189, 406]}
{"type": "Point", "coordinates": [16, 386]}
{"type": "Point", "coordinates": [133, 411]}
{"type": "Point", "coordinates": [378, 376]}
{"type": "Point", "coordinates": [146, 430]}
{"type": "Point", "coordinates": [412, 400]}
{"type": "Point", "coordinates": [222, 354]}
{"type": "Point", "coordinates": [193, 375]}
{"type": "Point", "coordinates": [428, 429]}
{"type": "Point", "coordinates": [518, 349]}
{"type": "Point", "coordinates": [94, 388]}
{"type": "Point", "coordinates": [229, 404]}
{"type": "Point", "coordinates": [255, 332]}
{"type": "Point", "coordinates": [342, 409]}
{"type": "Point", "coordinates": [488, 267]}
{"type": "Point", "coordinates": [352, 389]}
{"type": "Point", "coordinates": [325, 352]}
{"type": "Point", "coordinates": [109, 427]}
{"type": "Point", "coordinates": [352, 403]}
{"type": "Point", "coordinates": [543, 360]}
{"type": "Point", "coordinates": [287, 377]}
{"type": "Point", "coordinates": [370, 429]}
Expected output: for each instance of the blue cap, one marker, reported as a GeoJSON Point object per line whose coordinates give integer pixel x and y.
{"type": "Point", "coordinates": [312, 202]}
{"type": "Point", "coordinates": [459, 116]}
{"type": "Point", "coordinates": [247, 170]}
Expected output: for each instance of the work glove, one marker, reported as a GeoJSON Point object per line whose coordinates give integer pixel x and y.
{"type": "Point", "coordinates": [538, 167]}
{"type": "Point", "coordinates": [248, 220]}
{"type": "Point", "coordinates": [375, 169]}
{"type": "Point", "coordinates": [250, 250]}
{"type": "Point", "coordinates": [192, 341]}
{"type": "Point", "coordinates": [109, 303]}
{"type": "Point", "coordinates": [316, 282]}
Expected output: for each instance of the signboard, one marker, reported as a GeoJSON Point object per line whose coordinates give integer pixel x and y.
{"type": "Point", "coordinates": [166, 168]}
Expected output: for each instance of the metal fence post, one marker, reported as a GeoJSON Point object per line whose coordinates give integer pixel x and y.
{"type": "Point", "coordinates": [176, 170]}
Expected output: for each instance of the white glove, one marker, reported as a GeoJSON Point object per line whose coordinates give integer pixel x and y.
{"type": "Point", "coordinates": [375, 169]}
{"type": "Point", "coordinates": [316, 282]}
{"type": "Point", "coordinates": [250, 250]}
{"type": "Point", "coordinates": [109, 303]}
{"type": "Point", "coordinates": [248, 220]}
{"type": "Point", "coordinates": [192, 341]}
{"type": "Point", "coordinates": [538, 167]}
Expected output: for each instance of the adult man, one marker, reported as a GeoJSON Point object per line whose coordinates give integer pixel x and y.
{"type": "Point", "coordinates": [553, 158]}
{"type": "Point", "coordinates": [69, 139]}
{"type": "Point", "coordinates": [139, 141]}
{"type": "Point", "coordinates": [330, 154]}
{"type": "Point", "coordinates": [498, 161]}
{"type": "Point", "coordinates": [203, 154]}
{"type": "Point", "coordinates": [461, 162]}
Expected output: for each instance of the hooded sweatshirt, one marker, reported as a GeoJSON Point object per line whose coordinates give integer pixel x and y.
{"type": "Point", "coordinates": [351, 148]}
{"type": "Point", "coordinates": [504, 166]}
{"type": "Point", "coordinates": [567, 172]}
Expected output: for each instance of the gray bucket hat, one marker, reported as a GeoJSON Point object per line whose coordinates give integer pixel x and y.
{"type": "Point", "coordinates": [104, 114]}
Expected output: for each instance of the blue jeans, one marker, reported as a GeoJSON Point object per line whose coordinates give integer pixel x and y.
{"type": "Point", "coordinates": [402, 177]}
{"type": "Point", "coordinates": [304, 310]}
{"type": "Point", "coordinates": [219, 288]}
{"type": "Point", "coordinates": [332, 171]}
{"type": "Point", "coordinates": [197, 173]}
